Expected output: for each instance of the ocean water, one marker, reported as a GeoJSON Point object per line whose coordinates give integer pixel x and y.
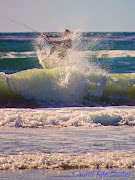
{"type": "Point", "coordinates": [78, 115]}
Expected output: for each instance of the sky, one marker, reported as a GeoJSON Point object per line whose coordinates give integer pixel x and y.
{"type": "Point", "coordinates": [56, 15]}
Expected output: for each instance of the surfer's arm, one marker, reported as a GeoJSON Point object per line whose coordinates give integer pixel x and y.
{"type": "Point", "coordinates": [53, 36]}
{"type": "Point", "coordinates": [60, 42]}
{"type": "Point", "coordinates": [55, 42]}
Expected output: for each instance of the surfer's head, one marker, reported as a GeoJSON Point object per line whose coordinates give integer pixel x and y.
{"type": "Point", "coordinates": [66, 32]}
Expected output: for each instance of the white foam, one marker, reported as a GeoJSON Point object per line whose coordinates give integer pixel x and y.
{"type": "Point", "coordinates": [65, 161]}
{"type": "Point", "coordinates": [64, 117]}
{"type": "Point", "coordinates": [14, 55]}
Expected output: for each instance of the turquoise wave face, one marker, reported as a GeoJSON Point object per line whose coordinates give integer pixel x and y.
{"type": "Point", "coordinates": [115, 64]}
{"type": "Point", "coordinates": [13, 65]}
{"type": "Point", "coordinates": [15, 45]}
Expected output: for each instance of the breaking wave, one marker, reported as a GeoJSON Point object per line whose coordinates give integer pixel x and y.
{"type": "Point", "coordinates": [68, 86]}
{"type": "Point", "coordinates": [67, 117]}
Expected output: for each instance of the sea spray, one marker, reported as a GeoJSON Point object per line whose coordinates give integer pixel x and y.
{"type": "Point", "coordinates": [75, 56]}
{"type": "Point", "coordinates": [42, 49]}
{"type": "Point", "coordinates": [73, 83]}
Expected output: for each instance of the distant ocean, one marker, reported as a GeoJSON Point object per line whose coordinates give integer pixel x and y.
{"type": "Point", "coordinates": [70, 117]}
